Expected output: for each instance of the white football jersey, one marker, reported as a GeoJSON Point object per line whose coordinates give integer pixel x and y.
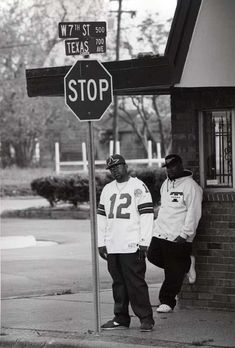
{"type": "Point", "coordinates": [125, 216]}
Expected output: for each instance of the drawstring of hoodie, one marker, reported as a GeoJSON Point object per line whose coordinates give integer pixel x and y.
{"type": "Point", "coordinates": [167, 184]}
{"type": "Point", "coordinates": [185, 173]}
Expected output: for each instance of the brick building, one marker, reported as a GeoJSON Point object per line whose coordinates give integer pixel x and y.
{"type": "Point", "coordinates": [197, 71]}
{"type": "Point", "coordinates": [203, 132]}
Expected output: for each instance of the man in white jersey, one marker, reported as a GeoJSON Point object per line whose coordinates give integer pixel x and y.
{"type": "Point", "coordinates": [175, 229]}
{"type": "Point", "coordinates": [125, 224]}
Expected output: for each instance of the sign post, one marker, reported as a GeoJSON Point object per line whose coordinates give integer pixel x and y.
{"type": "Point", "coordinates": [93, 223]}
{"type": "Point", "coordinates": [88, 94]}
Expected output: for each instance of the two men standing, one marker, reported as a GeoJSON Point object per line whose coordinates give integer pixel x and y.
{"type": "Point", "coordinates": [125, 229]}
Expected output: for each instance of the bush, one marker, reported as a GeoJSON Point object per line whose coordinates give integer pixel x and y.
{"type": "Point", "coordinates": [75, 189]}
{"type": "Point", "coordinates": [16, 181]}
{"type": "Point", "coordinates": [153, 179]}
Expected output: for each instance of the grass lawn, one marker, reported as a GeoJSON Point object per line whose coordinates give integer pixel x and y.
{"type": "Point", "coordinates": [19, 177]}
{"type": "Point", "coordinates": [16, 181]}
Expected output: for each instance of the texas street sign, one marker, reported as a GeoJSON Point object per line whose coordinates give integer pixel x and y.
{"type": "Point", "coordinates": [69, 30]}
{"type": "Point", "coordinates": [85, 46]}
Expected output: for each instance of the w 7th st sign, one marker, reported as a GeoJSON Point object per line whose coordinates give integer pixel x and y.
{"type": "Point", "coordinates": [68, 30]}
{"type": "Point", "coordinates": [88, 90]}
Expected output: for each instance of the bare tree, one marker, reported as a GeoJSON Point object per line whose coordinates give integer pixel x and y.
{"type": "Point", "coordinates": [142, 118]}
{"type": "Point", "coordinates": [149, 110]}
{"type": "Point", "coordinates": [29, 39]}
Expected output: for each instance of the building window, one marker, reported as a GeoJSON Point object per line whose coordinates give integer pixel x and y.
{"type": "Point", "coordinates": [217, 149]}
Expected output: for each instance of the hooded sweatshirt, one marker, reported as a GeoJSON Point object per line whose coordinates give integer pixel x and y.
{"type": "Point", "coordinates": [180, 210]}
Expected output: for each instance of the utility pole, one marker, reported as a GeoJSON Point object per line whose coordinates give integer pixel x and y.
{"type": "Point", "coordinates": [115, 98]}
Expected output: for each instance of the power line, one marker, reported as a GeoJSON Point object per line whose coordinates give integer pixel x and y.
{"type": "Point", "coordinates": [16, 45]}
{"type": "Point", "coordinates": [115, 107]}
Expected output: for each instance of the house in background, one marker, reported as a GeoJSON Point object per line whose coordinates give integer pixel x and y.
{"type": "Point", "coordinates": [131, 145]}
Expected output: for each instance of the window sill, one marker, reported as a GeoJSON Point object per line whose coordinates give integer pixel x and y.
{"type": "Point", "coordinates": [219, 195]}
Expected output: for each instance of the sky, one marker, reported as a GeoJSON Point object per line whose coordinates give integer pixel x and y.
{"type": "Point", "coordinates": [164, 8]}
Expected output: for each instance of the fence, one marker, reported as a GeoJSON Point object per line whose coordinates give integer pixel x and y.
{"type": "Point", "coordinates": [83, 164]}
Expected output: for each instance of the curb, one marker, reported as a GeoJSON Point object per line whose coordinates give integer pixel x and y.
{"type": "Point", "coordinates": [105, 339]}
{"type": "Point", "coordinates": [75, 343]}
{"type": "Point", "coordinates": [80, 213]}
{"type": "Point", "coordinates": [98, 342]}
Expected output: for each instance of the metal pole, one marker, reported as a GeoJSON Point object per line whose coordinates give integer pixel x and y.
{"type": "Point", "coordinates": [84, 159]}
{"type": "Point", "coordinates": [57, 158]}
{"type": "Point", "coordinates": [92, 195]}
{"type": "Point", "coordinates": [115, 99]}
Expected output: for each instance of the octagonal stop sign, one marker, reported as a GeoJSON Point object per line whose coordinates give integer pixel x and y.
{"type": "Point", "coordinates": [88, 90]}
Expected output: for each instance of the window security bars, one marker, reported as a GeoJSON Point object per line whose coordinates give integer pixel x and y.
{"type": "Point", "coordinates": [218, 148]}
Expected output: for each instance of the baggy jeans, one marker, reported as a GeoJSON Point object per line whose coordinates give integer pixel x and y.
{"type": "Point", "coordinates": [129, 286]}
{"type": "Point", "coordinates": [174, 258]}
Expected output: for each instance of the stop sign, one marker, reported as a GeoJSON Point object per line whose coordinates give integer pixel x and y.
{"type": "Point", "coordinates": [88, 89]}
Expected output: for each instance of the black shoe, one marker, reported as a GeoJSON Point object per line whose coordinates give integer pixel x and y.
{"type": "Point", "coordinates": [112, 325]}
{"type": "Point", "coordinates": [146, 327]}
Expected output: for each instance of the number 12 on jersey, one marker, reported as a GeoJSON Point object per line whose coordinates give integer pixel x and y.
{"type": "Point", "coordinates": [125, 202]}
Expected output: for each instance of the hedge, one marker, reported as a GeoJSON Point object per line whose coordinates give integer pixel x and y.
{"type": "Point", "coordinates": [74, 189]}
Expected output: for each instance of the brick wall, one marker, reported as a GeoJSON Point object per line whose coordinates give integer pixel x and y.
{"type": "Point", "coordinates": [214, 249]}
{"type": "Point", "coordinates": [185, 104]}
{"type": "Point", "coordinates": [214, 245]}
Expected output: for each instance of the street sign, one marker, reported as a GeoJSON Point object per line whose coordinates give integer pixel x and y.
{"type": "Point", "coordinates": [69, 30]}
{"type": "Point", "coordinates": [88, 90]}
{"type": "Point", "coordinates": [85, 46]}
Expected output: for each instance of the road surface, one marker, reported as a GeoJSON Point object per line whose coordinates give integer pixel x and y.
{"type": "Point", "coordinates": [63, 267]}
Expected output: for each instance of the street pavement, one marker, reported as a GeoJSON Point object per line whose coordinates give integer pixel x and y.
{"type": "Point", "coordinates": [68, 321]}
{"type": "Point", "coordinates": [13, 203]}
{"type": "Point", "coordinates": [47, 298]}
{"type": "Point", "coordinates": [65, 266]}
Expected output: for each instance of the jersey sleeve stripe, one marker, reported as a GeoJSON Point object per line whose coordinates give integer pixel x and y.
{"type": "Point", "coordinates": [101, 210]}
{"type": "Point", "coordinates": [145, 205]}
{"type": "Point", "coordinates": [145, 208]}
{"type": "Point", "coordinates": [146, 211]}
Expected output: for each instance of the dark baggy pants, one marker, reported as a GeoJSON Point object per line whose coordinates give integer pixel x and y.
{"type": "Point", "coordinates": [128, 274]}
{"type": "Point", "coordinates": [174, 258]}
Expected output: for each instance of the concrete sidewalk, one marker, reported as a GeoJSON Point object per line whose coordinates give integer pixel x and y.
{"type": "Point", "coordinates": [68, 321]}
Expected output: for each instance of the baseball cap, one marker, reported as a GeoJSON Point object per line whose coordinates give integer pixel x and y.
{"type": "Point", "coordinates": [172, 160]}
{"type": "Point", "coordinates": [114, 160]}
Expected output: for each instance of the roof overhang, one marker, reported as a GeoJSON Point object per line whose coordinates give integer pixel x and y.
{"type": "Point", "coordinates": [148, 75]}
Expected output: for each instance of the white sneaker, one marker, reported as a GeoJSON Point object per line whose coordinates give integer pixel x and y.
{"type": "Point", "coordinates": [164, 308]}
{"type": "Point", "coordinates": [192, 272]}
